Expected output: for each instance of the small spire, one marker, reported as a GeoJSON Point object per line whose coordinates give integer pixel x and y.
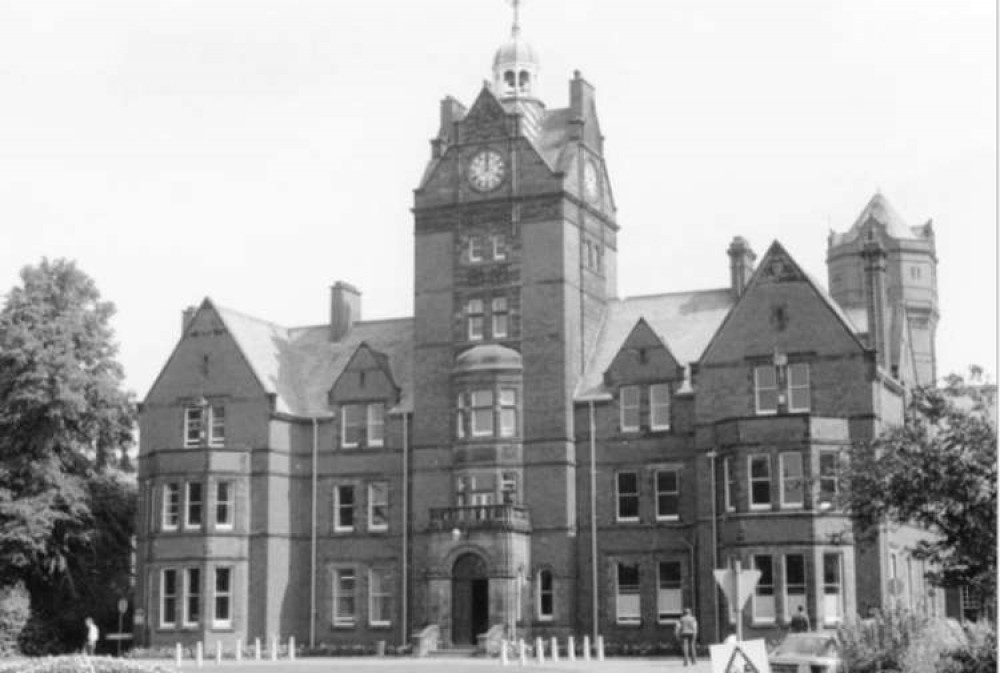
{"type": "Point", "coordinates": [515, 28]}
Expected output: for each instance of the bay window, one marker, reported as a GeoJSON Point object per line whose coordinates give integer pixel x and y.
{"type": "Point", "coordinates": [791, 479]}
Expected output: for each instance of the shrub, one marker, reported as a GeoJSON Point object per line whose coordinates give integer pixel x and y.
{"type": "Point", "coordinates": [81, 664]}
{"type": "Point", "coordinates": [977, 655]}
{"type": "Point", "coordinates": [15, 609]}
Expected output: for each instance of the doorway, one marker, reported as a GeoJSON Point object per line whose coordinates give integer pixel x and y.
{"type": "Point", "coordinates": [470, 600]}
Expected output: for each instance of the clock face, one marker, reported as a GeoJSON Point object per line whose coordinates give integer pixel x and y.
{"type": "Point", "coordinates": [591, 186]}
{"type": "Point", "coordinates": [486, 170]}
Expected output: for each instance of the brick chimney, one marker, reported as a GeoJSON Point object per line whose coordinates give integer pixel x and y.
{"type": "Point", "coordinates": [741, 259]}
{"type": "Point", "coordinates": [187, 315]}
{"type": "Point", "coordinates": [874, 257]}
{"type": "Point", "coordinates": [451, 112]}
{"type": "Point", "coordinates": [345, 309]}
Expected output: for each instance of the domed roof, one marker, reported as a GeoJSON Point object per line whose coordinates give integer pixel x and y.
{"type": "Point", "coordinates": [515, 51]}
{"type": "Point", "coordinates": [487, 357]}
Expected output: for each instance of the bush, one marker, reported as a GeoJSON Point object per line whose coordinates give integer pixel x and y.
{"type": "Point", "coordinates": [15, 609]}
{"type": "Point", "coordinates": [977, 655]}
{"type": "Point", "coordinates": [81, 664]}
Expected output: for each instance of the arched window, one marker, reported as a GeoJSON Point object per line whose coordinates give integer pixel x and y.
{"type": "Point", "coordinates": [524, 80]}
{"type": "Point", "coordinates": [509, 79]}
{"type": "Point", "coordinates": [546, 595]}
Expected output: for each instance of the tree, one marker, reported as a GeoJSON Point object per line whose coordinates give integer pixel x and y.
{"type": "Point", "coordinates": [938, 470]}
{"type": "Point", "coordinates": [65, 422]}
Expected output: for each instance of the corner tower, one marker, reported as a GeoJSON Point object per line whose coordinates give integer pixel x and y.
{"type": "Point", "coordinates": [902, 299]}
{"type": "Point", "coordinates": [515, 260]}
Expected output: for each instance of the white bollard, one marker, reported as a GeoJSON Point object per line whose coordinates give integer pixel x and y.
{"type": "Point", "coordinates": [218, 651]}
{"type": "Point", "coordinates": [199, 654]}
{"type": "Point", "coordinates": [540, 650]}
{"type": "Point", "coordinates": [571, 648]}
{"type": "Point", "coordinates": [239, 649]}
{"type": "Point", "coordinates": [555, 649]}
{"type": "Point", "coordinates": [586, 648]}
{"type": "Point", "coordinates": [503, 653]}
{"type": "Point", "coordinates": [274, 648]}
{"type": "Point", "coordinates": [600, 648]}
{"type": "Point", "coordinates": [523, 652]}
{"type": "Point", "coordinates": [291, 648]}
{"type": "Point", "coordinates": [256, 649]}
{"type": "Point", "coordinates": [179, 655]}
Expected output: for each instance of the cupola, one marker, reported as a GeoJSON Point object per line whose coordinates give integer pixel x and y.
{"type": "Point", "coordinates": [515, 65]}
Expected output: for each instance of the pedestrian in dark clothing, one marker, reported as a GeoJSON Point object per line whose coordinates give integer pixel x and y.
{"type": "Point", "coordinates": [800, 621]}
{"type": "Point", "coordinates": [687, 631]}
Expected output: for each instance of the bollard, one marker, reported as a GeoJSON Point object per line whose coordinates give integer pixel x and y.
{"type": "Point", "coordinates": [291, 648]}
{"type": "Point", "coordinates": [199, 653]}
{"type": "Point", "coordinates": [256, 649]}
{"type": "Point", "coordinates": [555, 649]}
{"type": "Point", "coordinates": [503, 653]}
{"type": "Point", "coordinates": [600, 648]}
{"type": "Point", "coordinates": [523, 652]}
{"type": "Point", "coordinates": [586, 648]}
{"type": "Point", "coordinates": [239, 649]}
{"type": "Point", "coordinates": [179, 656]}
{"type": "Point", "coordinates": [218, 651]}
{"type": "Point", "coordinates": [540, 650]}
{"type": "Point", "coordinates": [571, 648]}
{"type": "Point", "coordinates": [274, 648]}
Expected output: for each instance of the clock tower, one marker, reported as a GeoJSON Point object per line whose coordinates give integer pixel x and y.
{"type": "Point", "coordinates": [515, 245]}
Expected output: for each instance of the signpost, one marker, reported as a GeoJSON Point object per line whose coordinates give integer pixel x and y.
{"type": "Point", "coordinates": [122, 608]}
{"type": "Point", "coordinates": [737, 584]}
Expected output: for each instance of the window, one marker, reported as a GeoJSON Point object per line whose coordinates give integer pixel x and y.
{"type": "Point", "coordinates": [482, 413]}
{"type": "Point", "coordinates": [763, 594]}
{"type": "Point", "coordinates": [462, 408]}
{"type": "Point", "coordinates": [546, 596]}
{"type": "Point", "coordinates": [499, 306]}
{"type": "Point", "coordinates": [198, 420]}
{"type": "Point", "coordinates": [760, 482]}
{"type": "Point", "coordinates": [192, 596]}
{"type": "Point", "coordinates": [343, 597]}
{"type": "Point", "coordinates": [193, 426]}
{"type": "Point", "coordinates": [474, 319]}
{"type": "Point", "coordinates": [798, 387]}
{"type": "Point", "coordinates": [730, 485]}
{"type": "Point", "coordinates": [508, 412]}
{"type": "Point", "coordinates": [378, 506]}
{"type": "Point", "coordinates": [766, 389]}
{"type": "Point", "coordinates": [669, 598]}
{"type": "Point", "coordinates": [628, 599]}
{"type": "Point", "coordinates": [659, 406]}
{"type": "Point", "coordinates": [791, 479]}
{"type": "Point", "coordinates": [194, 502]}
{"type": "Point", "coordinates": [217, 428]}
{"type": "Point", "coordinates": [627, 484]}
{"type": "Point", "coordinates": [475, 249]}
{"type": "Point", "coordinates": [379, 598]}
{"type": "Point", "coordinates": [171, 506]}
{"type": "Point", "coordinates": [499, 247]}
{"type": "Point", "coordinates": [795, 584]}
{"type": "Point", "coordinates": [376, 424]}
{"type": "Point", "coordinates": [224, 504]}
{"type": "Point", "coordinates": [223, 597]}
{"type": "Point", "coordinates": [827, 478]}
{"type": "Point", "coordinates": [630, 408]}
{"type": "Point", "coordinates": [351, 425]}
{"type": "Point", "coordinates": [168, 597]}
{"type": "Point", "coordinates": [833, 603]}
{"type": "Point", "coordinates": [508, 488]}
{"type": "Point", "coordinates": [667, 495]}
{"type": "Point", "coordinates": [343, 508]}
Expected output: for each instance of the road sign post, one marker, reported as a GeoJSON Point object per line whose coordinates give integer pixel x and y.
{"type": "Point", "coordinates": [122, 607]}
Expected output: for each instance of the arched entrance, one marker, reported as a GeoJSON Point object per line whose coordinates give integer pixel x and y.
{"type": "Point", "coordinates": [470, 599]}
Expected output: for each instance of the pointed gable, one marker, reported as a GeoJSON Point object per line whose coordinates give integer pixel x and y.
{"type": "Point", "coordinates": [486, 120]}
{"type": "Point", "coordinates": [367, 376]}
{"type": "Point", "coordinates": [642, 358]}
{"type": "Point", "coordinates": [782, 309]}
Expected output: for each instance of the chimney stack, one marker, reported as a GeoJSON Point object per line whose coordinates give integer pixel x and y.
{"type": "Point", "coordinates": [187, 315]}
{"type": "Point", "coordinates": [874, 256]}
{"type": "Point", "coordinates": [345, 309]}
{"type": "Point", "coordinates": [741, 259]}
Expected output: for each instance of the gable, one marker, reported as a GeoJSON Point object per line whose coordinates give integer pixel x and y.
{"type": "Point", "coordinates": [366, 376]}
{"type": "Point", "coordinates": [487, 120]}
{"type": "Point", "coordinates": [782, 310]}
{"type": "Point", "coordinates": [206, 362]}
{"type": "Point", "coordinates": [642, 358]}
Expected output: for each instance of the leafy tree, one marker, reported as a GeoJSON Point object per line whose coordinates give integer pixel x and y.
{"type": "Point", "coordinates": [937, 470]}
{"type": "Point", "coordinates": [65, 423]}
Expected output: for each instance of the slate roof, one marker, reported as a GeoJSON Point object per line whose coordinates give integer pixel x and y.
{"type": "Point", "coordinates": [880, 210]}
{"type": "Point", "coordinates": [299, 365]}
{"type": "Point", "coordinates": [684, 321]}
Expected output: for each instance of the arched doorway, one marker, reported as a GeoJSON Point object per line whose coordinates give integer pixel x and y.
{"type": "Point", "coordinates": [470, 599]}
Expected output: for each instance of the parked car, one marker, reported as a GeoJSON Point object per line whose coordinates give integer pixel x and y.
{"type": "Point", "coordinates": [811, 652]}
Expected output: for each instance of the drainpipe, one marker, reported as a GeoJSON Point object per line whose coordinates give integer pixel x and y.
{"type": "Point", "coordinates": [312, 535]}
{"type": "Point", "coordinates": [406, 529]}
{"type": "Point", "coordinates": [593, 521]}
{"type": "Point", "coordinates": [712, 455]}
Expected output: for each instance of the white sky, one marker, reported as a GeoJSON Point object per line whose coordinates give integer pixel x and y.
{"type": "Point", "coordinates": [255, 151]}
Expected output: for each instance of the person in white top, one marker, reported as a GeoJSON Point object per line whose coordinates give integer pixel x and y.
{"type": "Point", "coordinates": [93, 633]}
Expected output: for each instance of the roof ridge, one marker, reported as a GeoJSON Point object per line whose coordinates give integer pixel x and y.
{"type": "Point", "coordinates": [247, 316]}
{"type": "Point", "coordinates": [674, 294]}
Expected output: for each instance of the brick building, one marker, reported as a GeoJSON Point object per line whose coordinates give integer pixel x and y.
{"type": "Point", "coordinates": [529, 451]}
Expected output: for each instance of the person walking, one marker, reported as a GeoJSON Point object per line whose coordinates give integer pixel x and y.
{"type": "Point", "coordinates": [93, 633]}
{"type": "Point", "coordinates": [687, 631]}
{"type": "Point", "coordinates": [800, 621]}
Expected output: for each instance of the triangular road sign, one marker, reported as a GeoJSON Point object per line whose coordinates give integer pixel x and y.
{"type": "Point", "coordinates": [727, 581]}
{"type": "Point", "coordinates": [739, 662]}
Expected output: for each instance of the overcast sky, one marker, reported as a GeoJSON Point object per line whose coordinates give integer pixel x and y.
{"type": "Point", "coordinates": [255, 152]}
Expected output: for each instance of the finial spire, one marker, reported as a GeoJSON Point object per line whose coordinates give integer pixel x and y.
{"type": "Point", "coordinates": [516, 27]}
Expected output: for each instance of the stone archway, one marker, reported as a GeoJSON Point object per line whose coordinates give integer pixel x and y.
{"type": "Point", "coordinates": [470, 599]}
